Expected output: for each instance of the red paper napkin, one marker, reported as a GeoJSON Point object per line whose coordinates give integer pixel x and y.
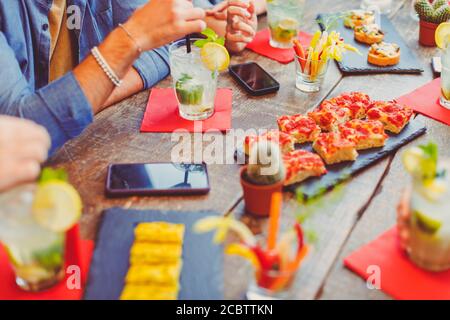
{"type": "Point", "coordinates": [425, 100]}
{"type": "Point", "coordinates": [162, 114]}
{"type": "Point", "coordinates": [261, 45]}
{"type": "Point", "coordinates": [78, 253]}
{"type": "Point", "coordinates": [400, 278]}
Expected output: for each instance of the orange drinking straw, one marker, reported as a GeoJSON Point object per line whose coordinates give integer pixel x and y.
{"type": "Point", "coordinates": [274, 220]}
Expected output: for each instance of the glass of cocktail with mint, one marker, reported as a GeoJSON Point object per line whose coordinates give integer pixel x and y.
{"type": "Point", "coordinates": [428, 243]}
{"type": "Point", "coordinates": [195, 65]}
{"type": "Point", "coordinates": [284, 17]}
{"type": "Point", "coordinates": [33, 221]}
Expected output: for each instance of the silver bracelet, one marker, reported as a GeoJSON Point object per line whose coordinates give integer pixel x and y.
{"type": "Point", "coordinates": [136, 43]}
{"type": "Point", "coordinates": [105, 67]}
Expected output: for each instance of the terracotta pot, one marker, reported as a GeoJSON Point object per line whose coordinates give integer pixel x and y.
{"type": "Point", "coordinates": [426, 33]}
{"type": "Point", "coordinates": [257, 198]}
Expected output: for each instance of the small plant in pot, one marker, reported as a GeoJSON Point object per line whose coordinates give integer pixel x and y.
{"type": "Point", "coordinates": [263, 176]}
{"type": "Point", "coordinates": [431, 13]}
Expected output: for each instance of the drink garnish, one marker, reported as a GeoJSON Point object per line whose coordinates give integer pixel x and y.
{"type": "Point", "coordinates": [442, 35]}
{"type": "Point", "coordinates": [213, 53]}
{"type": "Point", "coordinates": [57, 206]}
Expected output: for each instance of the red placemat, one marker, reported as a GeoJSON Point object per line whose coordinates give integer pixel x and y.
{"type": "Point", "coordinates": [261, 45]}
{"type": "Point", "coordinates": [399, 277]}
{"type": "Point", "coordinates": [78, 253]}
{"type": "Point", "coordinates": [162, 114]}
{"type": "Point", "coordinates": [425, 100]}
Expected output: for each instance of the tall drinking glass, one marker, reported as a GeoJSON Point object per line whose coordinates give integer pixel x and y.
{"type": "Point", "coordinates": [284, 18]}
{"type": "Point", "coordinates": [429, 241]}
{"type": "Point", "coordinates": [195, 86]}
{"type": "Point", "coordinates": [445, 78]}
{"type": "Point", "coordinates": [36, 254]}
{"type": "Point", "coordinates": [385, 6]}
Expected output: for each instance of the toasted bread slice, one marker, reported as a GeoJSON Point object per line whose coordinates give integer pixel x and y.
{"type": "Point", "coordinates": [369, 34]}
{"type": "Point", "coordinates": [302, 164]}
{"type": "Point", "coordinates": [356, 18]}
{"type": "Point", "coordinates": [332, 147]}
{"type": "Point", "coordinates": [384, 54]}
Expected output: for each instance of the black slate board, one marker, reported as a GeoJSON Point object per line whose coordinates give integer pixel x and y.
{"type": "Point", "coordinates": [340, 172]}
{"type": "Point", "coordinates": [202, 271]}
{"type": "Point", "coordinates": [353, 63]}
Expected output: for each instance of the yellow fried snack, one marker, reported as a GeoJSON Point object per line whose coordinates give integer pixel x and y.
{"type": "Point", "coordinates": [155, 253]}
{"type": "Point", "coordinates": [149, 292]}
{"type": "Point", "coordinates": [155, 274]}
{"type": "Point", "coordinates": [159, 232]}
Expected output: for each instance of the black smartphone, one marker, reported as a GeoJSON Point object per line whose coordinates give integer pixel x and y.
{"type": "Point", "coordinates": [131, 179]}
{"type": "Point", "coordinates": [254, 78]}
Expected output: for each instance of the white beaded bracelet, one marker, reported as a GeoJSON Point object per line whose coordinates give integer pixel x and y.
{"type": "Point", "coordinates": [105, 67]}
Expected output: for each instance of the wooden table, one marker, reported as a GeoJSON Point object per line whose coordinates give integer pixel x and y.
{"type": "Point", "coordinates": [360, 213]}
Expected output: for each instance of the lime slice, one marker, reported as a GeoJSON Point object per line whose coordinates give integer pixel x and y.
{"type": "Point", "coordinates": [215, 57]}
{"type": "Point", "coordinates": [57, 206]}
{"type": "Point", "coordinates": [427, 223]}
{"type": "Point", "coordinates": [418, 164]}
{"type": "Point", "coordinates": [442, 35]}
{"type": "Point", "coordinates": [288, 24]}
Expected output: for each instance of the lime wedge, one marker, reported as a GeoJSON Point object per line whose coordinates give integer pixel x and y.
{"type": "Point", "coordinates": [57, 206]}
{"type": "Point", "coordinates": [215, 57]}
{"type": "Point", "coordinates": [442, 35]}
{"type": "Point", "coordinates": [288, 24]}
{"type": "Point", "coordinates": [427, 223]}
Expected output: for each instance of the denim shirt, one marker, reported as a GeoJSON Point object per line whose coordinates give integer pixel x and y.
{"type": "Point", "coordinates": [61, 106]}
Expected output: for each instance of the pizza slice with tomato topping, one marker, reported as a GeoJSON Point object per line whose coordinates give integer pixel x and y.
{"type": "Point", "coordinates": [302, 164]}
{"type": "Point", "coordinates": [365, 133]}
{"type": "Point", "coordinates": [393, 115]}
{"type": "Point", "coordinates": [302, 128]}
{"type": "Point", "coordinates": [328, 116]}
{"type": "Point", "coordinates": [332, 147]}
{"type": "Point", "coordinates": [284, 140]}
{"type": "Point", "coordinates": [356, 102]}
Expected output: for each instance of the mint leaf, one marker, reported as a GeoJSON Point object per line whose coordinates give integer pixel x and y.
{"type": "Point", "coordinates": [210, 34]}
{"type": "Point", "coordinates": [201, 43]}
{"type": "Point", "coordinates": [431, 151]}
{"type": "Point", "coordinates": [221, 41]}
{"type": "Point", "coordinates": [49, 174]}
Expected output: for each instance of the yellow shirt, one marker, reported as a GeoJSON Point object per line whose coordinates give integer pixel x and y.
{"type": "Point", "coordinates": [63, 49]}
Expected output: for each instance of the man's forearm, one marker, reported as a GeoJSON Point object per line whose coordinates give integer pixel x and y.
{"type": "Point", "coordinates": [120, 53]}
{"type": "Point", "coordinates": [132, 83]}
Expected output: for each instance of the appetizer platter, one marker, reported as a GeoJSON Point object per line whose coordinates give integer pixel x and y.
{"type": "Point", "coordinates": [154, 255]}
{"type": "Point", "coordinates": [382, 48]}
{"type": "Point", "coordinates": [339, 138]}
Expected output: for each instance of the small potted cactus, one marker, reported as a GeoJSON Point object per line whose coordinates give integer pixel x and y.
{"type": "Point", "coordinates": [263, 176]}
{"type": "Point", "coordinates": [431, 13]}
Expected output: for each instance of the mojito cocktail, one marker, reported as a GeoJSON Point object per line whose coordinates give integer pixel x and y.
{"type": "Point", "coordinates": [36, 253]}
{"type": "Point", "coordinates": [284, 17]}
{"type": "Point", "coordinates": [194, 84]}
{"type": "Point", "coordinates": [429, 243]}
{"type": "Point", "coordinates": [445, 78]}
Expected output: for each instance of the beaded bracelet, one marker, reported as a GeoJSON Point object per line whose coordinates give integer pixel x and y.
{"type": "Point", "coordinates": [105, 67]}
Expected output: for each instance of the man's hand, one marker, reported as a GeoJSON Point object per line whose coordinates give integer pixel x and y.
{"type": "Point", "coordinates": [160, 22]}
{"type": "Point", "coordinates": [241, 31]}
{"type": "Point", "coordinates": [23, 147]}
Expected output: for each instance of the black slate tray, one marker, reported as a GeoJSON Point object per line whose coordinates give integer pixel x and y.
{"type": "Point", "coordinates": [353, 63]}
{"type": "Point", "coordinates": [202, 271]}
{"type": "Point", "coordinates": [340, 172]}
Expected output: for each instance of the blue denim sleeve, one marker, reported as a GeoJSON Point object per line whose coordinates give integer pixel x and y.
{"type": "Point", "coordinates": [61, 107]}
{"type": "Point", "coordinates": [203, 3]}
{"type": "Point", "coordinates": [152, 66]}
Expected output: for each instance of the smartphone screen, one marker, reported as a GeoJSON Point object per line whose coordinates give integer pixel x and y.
{"type": "Point", "coordinates": [254, 77]}
{"type": "Point", "coordinates": [153, 178]}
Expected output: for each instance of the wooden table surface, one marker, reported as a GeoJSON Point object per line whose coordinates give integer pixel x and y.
{"type": "Point", "coordinates": [363, 209]}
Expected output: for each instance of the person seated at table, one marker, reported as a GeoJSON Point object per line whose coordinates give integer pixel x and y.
{"type": "Point", "coordinates": [122, 46]}
{"type": "Point", "coordinates": [24, 146]}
